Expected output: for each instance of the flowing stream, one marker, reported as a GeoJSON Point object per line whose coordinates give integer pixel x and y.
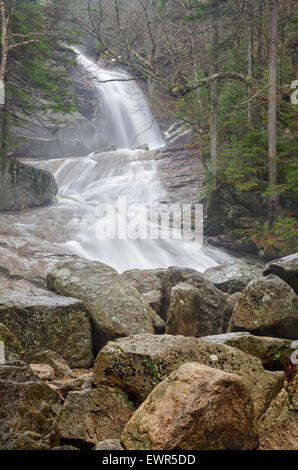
{"type": "Point", "coordinates": [87, 182]}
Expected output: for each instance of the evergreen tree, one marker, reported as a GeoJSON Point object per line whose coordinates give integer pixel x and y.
{"type": "Point", "coordinates": [30, 41]}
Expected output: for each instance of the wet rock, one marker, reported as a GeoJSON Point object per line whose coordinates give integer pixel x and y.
{"type": "Point", "coordinates": [178, 134]}
{"type": "Point", "coordinates": [66, 447]}
{"type": "Point", "coordinates": [196, 311]}
{"type": "Point", "coordinates": [29, 247]}
{"type": "Point", "coordinates": [149, 283]}
{"type": "Point", "coordinates": [159, 325]}
{"type": "Point", "coordinates": [292, 390]}
{"type": "Point", "coordinates": [116, 308]}
{"type": "Point", "coordinates": [57, 362]}
{"type": "Point", "coordinates": [28, 441]}
{"type": "Point", "coordinates": [91, 416]}
{"type": "Point", "coordinates": [233, 299]}
{"type": "Point", "coordinates": [174, 275]}
{"type": "Point", "coordinates": [232, 277]}
{"type": "Point", "coordinates": [22, 186]}
{"type": "Point", "coordinates": [83, 382]}
{"type": "Point", "coordinates": [195, 408]}
{"type": "Point", "coordinates": [138, 363]}
{"type": "Point", "coordinates": [267, 307]}
{"type": "Point", "coordinates": [8, 281]}
{"type": "Point", "coordinates": [109, 444]}
{"type": "Point", "coordinates": [142, 147]}
{"type": "Point", "coordinates": [278, 427]}
{"type": "Point", "coordinates": [43, 371]}
{"type": "Point", "coordinates": [11, 344]}
{"type": "Point", "coordinates": [275, 353]}
{"type": "Point", "coordinates": [42, 320]}
{"type": "Point", "coordinates": [235, 240]}
{"type": "Point", "coordinates": [75, 134]}
{"type": "Point", "coordinates": [226, 338]}
{"type": "Point", "coordinates": [229, 209]}
{"type": "Point", "coordinates": [181, 173]}
{"type": "Point", "coordinates": [286, 268]}
{"type": "Point", "coordinates": [27, 406]}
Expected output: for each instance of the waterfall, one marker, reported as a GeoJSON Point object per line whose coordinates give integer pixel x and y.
{"type": "Point", "coordinates": [85, 183]}
{"type": "Point", "coordinates": [126, 115]}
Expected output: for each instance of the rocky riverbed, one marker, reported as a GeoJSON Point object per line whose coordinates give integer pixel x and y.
{"type": "Point", "coordinates": [148, 359]}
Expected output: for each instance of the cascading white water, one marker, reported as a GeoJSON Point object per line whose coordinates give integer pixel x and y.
{"type": "Point", "coordinates": [86, 182]}
{"type": "Point", "coordinates": [127, 119]}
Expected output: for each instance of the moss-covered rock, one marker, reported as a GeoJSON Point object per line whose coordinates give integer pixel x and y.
{"type": "Point", "coordinates": [116, 308]}
{"type": "Point", "coordinates": [278, 427]}
{"type": "Point", "coordinates": [27, 406]}
{"type": "Point", "coordinates": [11, 344]}
{"type": "Point", "coordinates": [43, 320]}
{"type": "Point", "coordinates": [267, 307]}
{"type": "Point", "coordinates": [195, 408]}
{"type": "Point", "coordinates": [232, 277]}
{"type": "Point", "coordinates": [138, 363]}
{"type": "Point", "coordinates": [196, 311]}
{"type": "Point", "coordinates": [286, 268]}
{"type": "Point", "coordinates": [275, 353]}
{"type": "Point", "coordinates": [93, 415]}
{"type": "Point", "coordinates": [22, 186]}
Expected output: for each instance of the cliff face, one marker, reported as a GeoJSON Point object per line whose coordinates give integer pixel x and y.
{"type": "Point", "coordinates": [61, 135]}
{"type": "Point", "coordinates": [22, 186]}
{"type": "Point", "coordinates": [181, 174]}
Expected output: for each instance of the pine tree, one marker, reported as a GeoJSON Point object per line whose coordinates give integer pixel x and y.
{"type": "Point", "coordinates": [30, 39]}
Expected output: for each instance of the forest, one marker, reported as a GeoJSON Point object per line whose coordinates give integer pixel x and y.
{"type": "Point", "coordinates": [226, 68]}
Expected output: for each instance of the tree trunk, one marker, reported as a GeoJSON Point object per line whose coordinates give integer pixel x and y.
{"type": "Point", "coordinates": [250, 62]}
{"type": "Point", "coordinates": [4, 133]}
{"type": "Point", "coordinates": [273, 200]}
{"type": "Point", "coordinates": [258, 116]}
{"type": "Point", "coordinates": [214, 99]}
{"type": "Point", "coordinates": [3, 65]}
{"type": "Point", "coordinates": [151, 87]}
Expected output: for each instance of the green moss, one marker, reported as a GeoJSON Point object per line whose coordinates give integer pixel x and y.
{"type": "Point", "coordinates": [121, 394]}
{"type": "Point", "coordinates": [149, 365]}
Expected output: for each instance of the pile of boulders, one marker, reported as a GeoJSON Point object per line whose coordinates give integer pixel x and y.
{"type": "Point", "coordinates": [151, 359]}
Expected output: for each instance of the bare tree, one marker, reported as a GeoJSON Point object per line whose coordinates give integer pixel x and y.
{"type": "Point", "coordinates": [273, 199]}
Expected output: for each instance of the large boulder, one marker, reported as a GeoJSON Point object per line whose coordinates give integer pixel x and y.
{"type": "Point", "coordinates": [149, 283]}
{"type": "Point", "coordinates": [174, 275]}
{"type": "Point", "coordinates": [43, 371]}
{"type": "Point", "coordinates": [27, 405]}
{"type": "Point", "coordinates": [267, 307]}
{"type": "Point", "coordinates": [195, 408]}
{"type": "Point", "coordinates": [93, 415]}
{"type": "Point", "coordinates": [43, 320]}
{"type": "Point", "coordinates": [57, 362]}
{"type": "Point", "coordinates": [278, 427]}
{"type": "Point", "coordinates": [108, 444]}
{"type": "Point", "coordinates": [229, 208]}
{"type": "Point", "coordinates": [156, 286]}
{"type": "Point", "coordinates": [22, 186]}
{"type": "Point", "coordinates": [116, 308]}
{"type": "Point", "coordinates": [286, 268]}
{"type": "Point", "coordinates": [233, 276]}
{"type": "Point", "coordinates": [10, 342]}
{"type": "Point", "coordinates": [27, 440]}
{"type": "Point", "coordinates": [82, 382]}
{"type": "Point", "coordinates": [138, 363]}
{"type": "Point", "coordinates": [196, 311]}
{"type": "Point", "coordinates": [275, 353]}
